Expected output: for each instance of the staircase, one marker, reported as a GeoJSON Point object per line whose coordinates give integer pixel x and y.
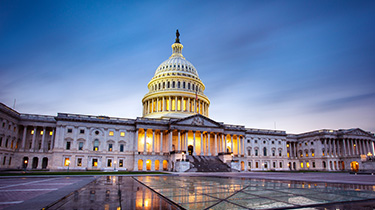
{"type": "Point", "coordinates": [207, 164]}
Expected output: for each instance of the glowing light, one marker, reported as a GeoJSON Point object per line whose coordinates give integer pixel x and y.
{"type": "Point", "coordinates": [122, 134]}
{"type": "Point", "coordinates": [50, 133]}
{"type": "Point", "coordinates": [41, 133]}
{"type": "Point", "coordinates": [32, 132]}
{"type": "Point", "coordinates": [111, 133]}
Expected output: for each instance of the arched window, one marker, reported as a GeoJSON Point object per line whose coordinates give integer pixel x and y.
{"type": "Point", "coordinates": [168, 84]}
{"type": "Point", "coordinates": [163, 85]}
{"type": "Point", "coordinates": [193, 87]}
{"type": "Point", "coordinates": [178, 84]}
{"type": "Point", "coordinates": [96, 145]}
{"type": "Point", "coordinates": [264, 151]}
{"type": "Point", "coordinates": [183, 85]}
{"type": "Point", "coordinates": [159, 86]}
{"type": "Point", "coordinates": [173, 84]}
{"type": "Point", "coordinates": [188, 86]}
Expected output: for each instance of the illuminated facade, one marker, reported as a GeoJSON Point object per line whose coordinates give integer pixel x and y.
{"type": "Point", "coordinates": [175, 127]}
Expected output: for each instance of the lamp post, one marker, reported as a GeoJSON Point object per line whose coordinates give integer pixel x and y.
{"type": "Point", "coordinates": [114, 163]}
{"type": "Point", "coordinates": [25, 165]}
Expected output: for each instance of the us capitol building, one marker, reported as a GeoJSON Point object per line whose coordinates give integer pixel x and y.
{"type": "Point", "coordinates": [174, 133]}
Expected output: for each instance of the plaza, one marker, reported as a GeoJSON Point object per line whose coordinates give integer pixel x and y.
{"type": "Point", "coordinates": [250, 190]}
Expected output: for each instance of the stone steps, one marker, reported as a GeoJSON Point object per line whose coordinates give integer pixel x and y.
{"type": "Point", "coordinates": [207, 164]}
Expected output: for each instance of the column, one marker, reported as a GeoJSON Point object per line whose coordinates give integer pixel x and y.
{"type": "Point", "coordinates": [209, 143]}
{"type": "Point", "coordinates": [163, 107]}
{"type": "Point", "coordinates": [175, 102]}
{"type": "Point", "coordinates": [136, 141]}
{"type": "Point", "coordinates": [238, 145]}
{"type": "Point", "coordinates": [372, 147]}
{"type": "Point", "coordinates": [43, 138]}
{"type": "Point", "coordinates": [225, 143]}
{"type": "Point", "coordinates": [33, 141]}
{"type": "Point", "coordinates": [157, 104]}
{"type": "Point", "coordinates": [334, 153]}
{"type": "Point", "coordinates": [243, 145]}
{"type": "Point", "coordinates": [186, 142]}
{"type": "Point", "coordinates": [188, 105]}
{"type": "Point", "coordinates": [194, 153]}
{"type": "Point", "coordinates": [202, 151]}
{"type": "Point", "coordinates": [179, 141]}
{"type": "Point", "coordinates": [144, 142]}
{"type": "Point", "coordinates": [215, 153]}
{"type": "Point", "coordinates": [24, 137]}
{"type": "Point", "coordinates": [161, 142]}
{"type": "Point", "coordinates": [170, 140]}
{"type": "Point", "coordinates": [356, 147]}
{"type": "Point", "coordinates": [231, 144]}
{"type": "Point", "coordinates": [344, 147]}
{"type": "Point", "coordinates": [170, 104]}
{"type": "Point", "coordinates": [368, 146]}
{"type": "Point", "coordinates": [53, 138]}
{"type": "Point", "coordinates": [153, 141]}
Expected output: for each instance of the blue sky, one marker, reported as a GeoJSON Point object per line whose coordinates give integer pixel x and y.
{"type": "Point", "coordinates": [299, 65]}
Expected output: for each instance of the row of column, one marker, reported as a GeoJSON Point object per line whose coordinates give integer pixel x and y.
{"type": "Point", "coordinates": [175, 103]}
{"type": "Point", "coordinates": [221, 142]}
{"type": "Point", "coordinates": [348, 147]}
{"type": "Point", "coordinates": [33, 141]}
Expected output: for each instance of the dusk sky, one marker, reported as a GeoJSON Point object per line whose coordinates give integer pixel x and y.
{"type": "Point", "coordinates": [296, 65]}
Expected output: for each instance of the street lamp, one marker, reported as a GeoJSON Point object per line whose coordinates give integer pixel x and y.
{"type": "Point", "coordinates": [114, 163]}
{"type": "Point", "coordinates": [25, 165]}
{"type": "Point", "coordinates": [183, 153]}
{"type": "Point", "coordinates": [232, 156]}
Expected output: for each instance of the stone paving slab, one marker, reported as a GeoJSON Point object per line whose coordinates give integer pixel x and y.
{"type": "Point", "coordinates": [37, 192]}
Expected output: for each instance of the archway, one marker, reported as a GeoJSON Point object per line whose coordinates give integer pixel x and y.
{"type": "Point", "coordinates": [294, 165]}
{"type": "Point", "coordinates": [35, 163]}
{"type": "Point", "coordinates": [354, 166]}
{"type": "Point", "coordinates": [190, 149]}
{"type": "Point", "coordinates": [44, 163]}
{"type": "Point", "coordinates": [165, 165]}
{"type": "Point", "coordinates": [324, 165]}
{"type": "Point", "coordinates": [157, 165]}
{"type": "Point", "coordinates": [342, 165]}
{"type": "Point", "coordinates": [148, 165]}
{"type": "Point", "coordinates": [140, 165]}
{"type": "Point", "coordinates": [242, 166]}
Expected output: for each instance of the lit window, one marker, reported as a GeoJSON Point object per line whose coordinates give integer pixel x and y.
{"type": "Point", "coordinates": [109, 163]}
{"type": "Point", "coordinates": [66, 162]}
{"type": "Point", "coordinates": [32, 132]}
{"type": "Point", "coordinates": [307, 153]}
{"type": "Point", "coordinates": [301, 165]}
{"type": "Point", "coordinates": [110, 133]}
{"type": "Point", "coordinates": [287, 154]}
{"type": "Point", "coordinates": [312, 154]}
{"type": "Point", "coordinates": [41, 133]}
{"type": "Point", "coordinates": [96, 145]}
{"type": "Point", "coordinates": [307, 165]}
{"type": "Point", "coordinates": [287, 145]}
{"type": "Point", "coordinates": [110, 147]}
{"type": "Point", "coordinates": [80, 146]}
{"type": "Point", "coordinates": [122, 134]}
{"type": "Point", "coordinates": [95, 162]}
{"type": "Point", "coordinates": [79, 162]}
{"type": "Point", "coordinates": [256, 164]}
{"type": "Point", "coordinates": [121, 163]}
{"type": "Point", "coordinates": [50, 133]}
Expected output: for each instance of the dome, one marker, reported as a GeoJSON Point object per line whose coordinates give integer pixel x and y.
{"type": "Point", "coordinates": [175, 91]}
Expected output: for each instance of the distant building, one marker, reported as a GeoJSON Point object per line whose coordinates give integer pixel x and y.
{"type": "Point", "coordinates": [175, 127]}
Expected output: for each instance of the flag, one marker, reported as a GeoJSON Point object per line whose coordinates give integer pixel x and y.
{"type": "Point", "coordinates": [196, 95]}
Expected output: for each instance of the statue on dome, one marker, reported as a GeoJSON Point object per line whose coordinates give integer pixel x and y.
{"type": "Point", "coordinates": [177, 36]}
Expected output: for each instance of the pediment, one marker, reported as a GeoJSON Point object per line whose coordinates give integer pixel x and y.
{"type": "Point", "coordinates": [197, 120]}
{"type": "Point", "coordinates": [357, 132]}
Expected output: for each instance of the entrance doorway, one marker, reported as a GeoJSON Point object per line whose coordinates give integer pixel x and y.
{"type": "Point", "coordinates": [242, 166]}
{"type": "Point", "coordinates": [190, 149]}
{"type": "Point", "coordinates": [354, 166]}
{"type": "Point", "coordinates": [35, 163]}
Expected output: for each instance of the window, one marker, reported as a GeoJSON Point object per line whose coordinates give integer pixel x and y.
{"type": "Point", "coordinates": [50, 133]}
{"type": "Point", "coordinates": [70, 130]}
{"type": "Point", "coordinates": [80, 146]}
{"type": "Point", "coordinates": [121, 147]}
{"type": "Point", "coordinates": [110, 133]}
{"type": "Point", "coordinates": [307, 165]}
{"type": "Point", "coordinates": [306, 143]}
{"type": "Point", "coordinates": [110, 147]}
{"type": "Point", "coordinates": [81, 131]}
{"type": "Point", "coordinates": [264, 142]}
{"type": "Point", "coordinates": [67, 145]}
{"type": "Point", "coordinates": [122, 134]}
{"type": "Point", "coordinates": [279, 153]}
{"type": "Point", "coordinates": [312, 153]}
{"type": "Point", "coordinates": [312, 143]}
{"type": "Point", "coordinates": [97, 132]}
{"type": "Point", "coordinates": [4, 160]}
{"type": "Point", "coordinates": [249, 164]}
{"type": "Point", "coordinates": [121, 163]}
{"type": "Point", "coordinates": [66, 162]}
{"type": "Point", "coordinates": [274, 164]}
{"type": "Point", "coordinates": [273, 153]}
{"type": "Point", "coordinates": [287, 145]}
{"type": "Point", "coordinates": [279, 142]}
{"type": "Point", "coordinates": [301, 165]}
{"type": "Point", "coordinates": [109, 163]}
{"type": "Point", "coordinates": [248, 152]}
{"type": "Point", "coordinates": [10, 161]}
{"type": "Point", "coordinates": [281, 164]}
{"type": "Point", "coordinates": [94, 162]}
{"type": "Point", "coordinates": [307, 153]}
{"type": "Point", "coordinates": [41, 133]}
{"type": "Point", "coordinates": [273, 142]}
{"type": "Point", "coordinates": [256, 152]}
{"type": "Point", "coordinates": [264, 151]}
{"type": "Point", "coordinates": [313, 164]}
{"type": "Point", "coordinates": [248, 141]}
{"type": "Point", "coordinates": [96, 145]}
{"type": "Point", "coordinates": [79, 162]}
{"type": "Point", "coordinates": [256, 164]}
{"type": "Point", "coordinates": [256, 141]}
{"type": "Point", "coordinates": [32, 132]}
